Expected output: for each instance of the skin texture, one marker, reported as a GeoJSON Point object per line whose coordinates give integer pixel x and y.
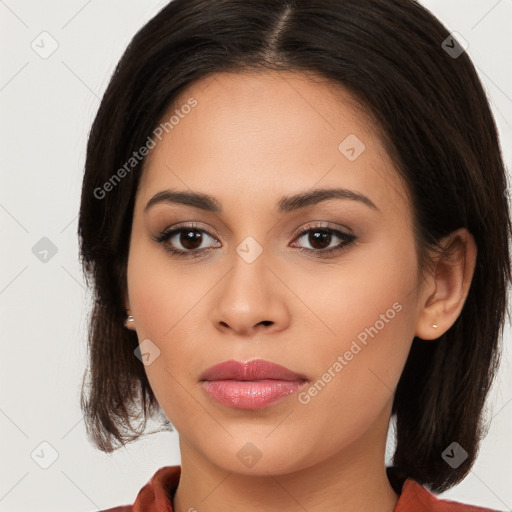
{"type": "Point", "coordinates": [251, 139]}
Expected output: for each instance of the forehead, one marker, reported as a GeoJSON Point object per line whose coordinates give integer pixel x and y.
{"type": "Point", "coordinates": [274, 132]}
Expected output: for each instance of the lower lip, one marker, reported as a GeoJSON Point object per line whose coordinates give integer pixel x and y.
{"type": "Point", "coordinates": [250, 394]}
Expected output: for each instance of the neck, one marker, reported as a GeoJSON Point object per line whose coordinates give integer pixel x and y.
{"type": "Point", "coordinates": [352, 478]}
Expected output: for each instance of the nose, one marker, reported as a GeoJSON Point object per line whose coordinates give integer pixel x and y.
{"type": "Point", "coordinates": [250, 300]}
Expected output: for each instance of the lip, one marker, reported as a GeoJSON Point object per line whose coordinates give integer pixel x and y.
{"type": "Point", "coordinates": [250, 385]}
{"type": "Point", "coordinates": [256, 369]}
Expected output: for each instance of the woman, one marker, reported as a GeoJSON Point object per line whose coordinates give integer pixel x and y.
{"type": "Point", "coordinates": [294, 215]}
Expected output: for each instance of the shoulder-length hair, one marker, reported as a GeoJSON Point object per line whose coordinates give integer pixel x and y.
{"type": "Point", "coordinates": [418, 83]}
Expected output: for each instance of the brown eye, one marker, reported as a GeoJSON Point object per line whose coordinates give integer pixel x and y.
{"type": "Point", "coordinates": [320, 239]}
{"type": "Point", "coordinates": [185, 240]}
{"type": "Point", "coordinates": [190, 239]}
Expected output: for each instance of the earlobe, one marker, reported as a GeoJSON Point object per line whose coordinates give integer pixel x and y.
{"type": "Point", "coordinates": [444, 298]}
{"type": "Point", "coordinates": [129, 322]}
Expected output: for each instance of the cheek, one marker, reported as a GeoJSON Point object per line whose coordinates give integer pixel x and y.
{"type": "Point", "coordinates": [354, 376]}
{"type": "Point", "coordinates": [366, 287]}
{"type": "Point", "coordinates": [162, 301]}
{"type": "Point", "coordinates": [160, 295]}
{"type": "Point", "coordinates": [167, 301]}
{"type": "Point", "coordinates": [366, 317]}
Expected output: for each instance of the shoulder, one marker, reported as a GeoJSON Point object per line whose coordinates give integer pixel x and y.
{"type": "Point", "coordinates": [122, 508]}
{"type": "Point", "coordinates": [155, 493]}
{"type": "Point", "coordinates": [416, 498]}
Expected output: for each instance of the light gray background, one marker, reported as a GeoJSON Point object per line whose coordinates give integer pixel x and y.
{"type": "Point", "coordinates": [47, 106]}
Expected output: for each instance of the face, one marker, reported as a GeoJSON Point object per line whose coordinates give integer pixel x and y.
{"type": "Point", "coordinates": [326, 286]}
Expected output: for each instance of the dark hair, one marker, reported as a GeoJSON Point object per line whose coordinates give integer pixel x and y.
{"type": "Point", "coordinates": [435, 121]}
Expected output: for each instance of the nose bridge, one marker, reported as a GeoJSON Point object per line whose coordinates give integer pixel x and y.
{"type": "Point", "coordinates": [248, 279]}
{"type": "Point", "coordinates": [250, 292]}
{"type": "Point", "coordinates": [253, 251]}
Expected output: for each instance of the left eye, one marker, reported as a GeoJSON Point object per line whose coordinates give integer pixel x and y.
{"type": "Point", "coordinates": [321, 237]}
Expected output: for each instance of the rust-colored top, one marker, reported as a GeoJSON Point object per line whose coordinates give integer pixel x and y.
{"type": "Point", "coordinates": [155, 496]}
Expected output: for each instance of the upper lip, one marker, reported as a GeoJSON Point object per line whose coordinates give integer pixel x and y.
{"type": "Point", "coordinates": [256, 369]}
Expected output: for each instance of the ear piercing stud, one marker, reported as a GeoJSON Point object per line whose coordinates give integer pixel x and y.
{"type": "Point", "coordinates": [129, 318]}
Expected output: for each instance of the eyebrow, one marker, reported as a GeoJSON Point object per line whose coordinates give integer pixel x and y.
{"type": "Point", "coordinates": [285, 204]}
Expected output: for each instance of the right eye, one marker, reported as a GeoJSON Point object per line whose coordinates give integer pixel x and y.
{"type": "Point", "coordinates": [189, 236]}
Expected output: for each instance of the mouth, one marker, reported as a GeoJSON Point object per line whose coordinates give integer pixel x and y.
{"type": "Point", "coordinates": [250, 385]}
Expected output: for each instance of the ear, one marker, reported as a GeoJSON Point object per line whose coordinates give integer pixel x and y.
{"type": "Point", "coordinates": [446, 288]}
{"type": "Point", "coordinates": [127, 324]}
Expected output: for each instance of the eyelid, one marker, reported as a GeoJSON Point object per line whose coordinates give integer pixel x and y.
{"type": "Point", "coordinates": [325, 225]}
{"type": "Point", "coordinates": [303, 229]}
{"type": "Point", "coordinates": [193, 225]}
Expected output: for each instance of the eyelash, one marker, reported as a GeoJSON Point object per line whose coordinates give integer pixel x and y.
{"type": "Point", "coordinates": [165, 236]}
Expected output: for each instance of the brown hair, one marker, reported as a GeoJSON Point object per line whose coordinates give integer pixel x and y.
{"type": "Point", "coordinates": [438, 128]}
